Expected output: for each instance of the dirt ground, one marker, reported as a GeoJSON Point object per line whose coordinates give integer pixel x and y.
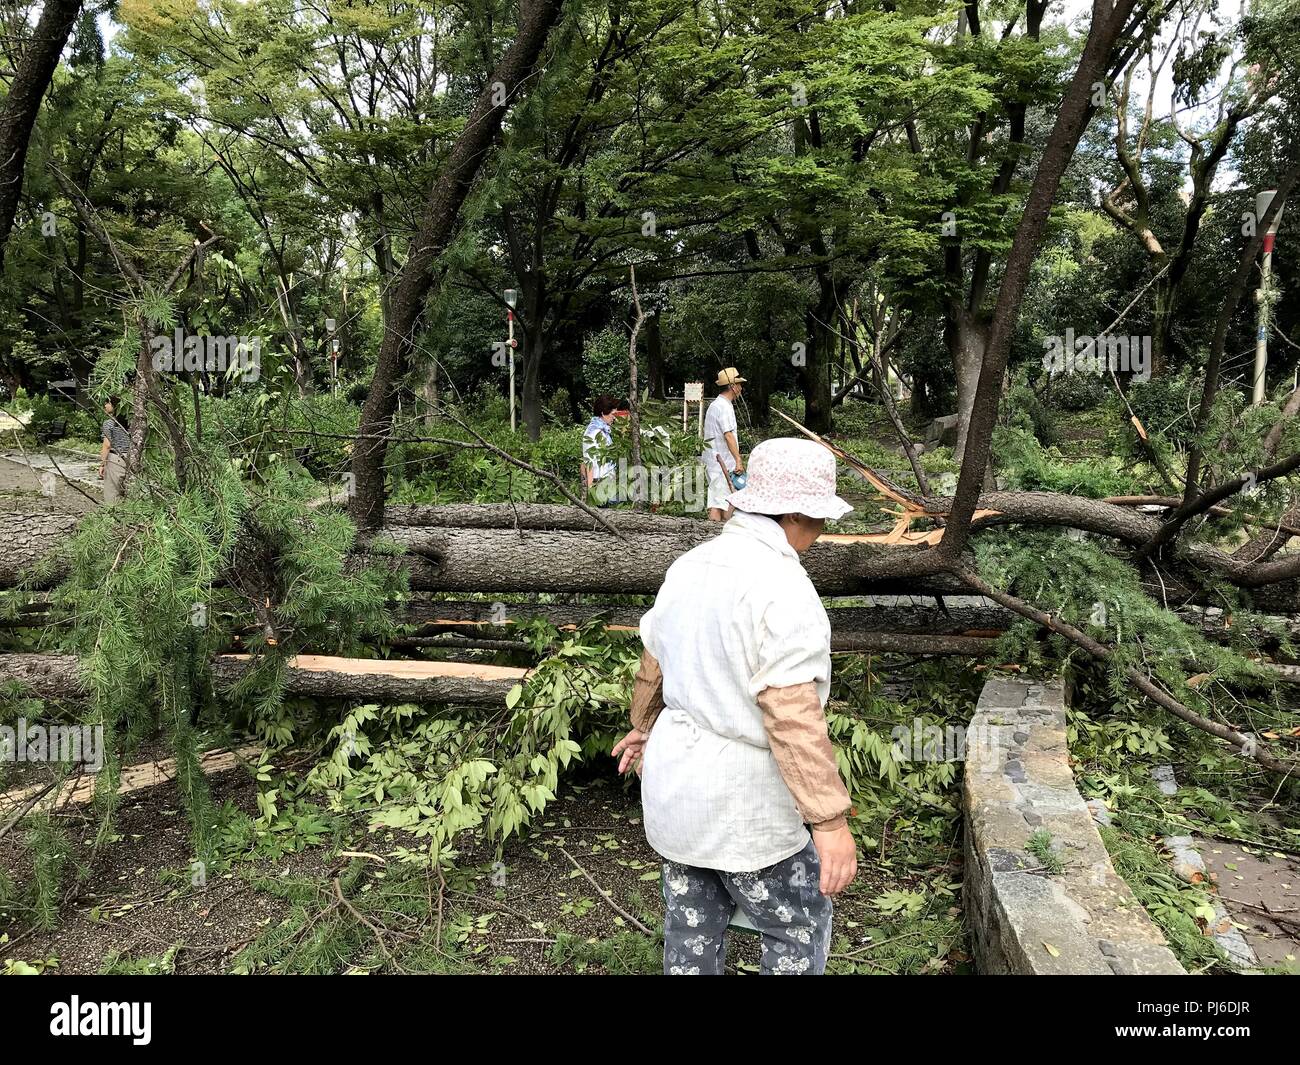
{"type": "Point", "coordinates": [137, 902]}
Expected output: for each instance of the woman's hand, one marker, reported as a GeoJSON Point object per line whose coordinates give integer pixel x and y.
{"type": "Point", "coordinates": [101, 471]}
{"type": "Point", "coordinates": [838, 853]}
{"type": "Point", "coordinates": [631, 747]}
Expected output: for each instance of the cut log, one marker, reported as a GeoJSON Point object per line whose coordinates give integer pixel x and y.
{"type": "Point", "coordinates": [311, 676]}
{"type": "Point", "coordinates": [136, 777]}
{"type": "Point", "coordinates": [385, 681]}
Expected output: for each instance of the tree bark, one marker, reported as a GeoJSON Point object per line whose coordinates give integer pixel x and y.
{"type": "Point", "coordinates": [32, 75]}
{"type": "Point", "coordinates": [27, 538]}
{"type": "Point", "coordinates": [530, 516]}
{"type": "Point", "coordinates": [436, 230]}
{"type": "Point", "coordinates": [371, 680]}
{"type": "Point", "coordinates": [1108, 22]}
{"type": "Point", "coordinates": [966, 336]}
{"type": "Point", "coordinates": [559, 552]}
{"type": "Point", "coordinates": [851, 626]}
{"type": "Point", "coordinates": [818, 408]}
{"type": "Point", "coordinates": [654, 349]}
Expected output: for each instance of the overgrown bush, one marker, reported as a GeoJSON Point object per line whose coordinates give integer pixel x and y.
{"type": "Point", "coordinates": [604, 363]}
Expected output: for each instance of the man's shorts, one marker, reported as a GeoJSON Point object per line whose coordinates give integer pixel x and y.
{"type": "Point", "coordinates": [719, 489]}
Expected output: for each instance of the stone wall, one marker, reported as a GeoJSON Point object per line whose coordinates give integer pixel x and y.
{"type": "Point", "coordinates": [1023, 920]}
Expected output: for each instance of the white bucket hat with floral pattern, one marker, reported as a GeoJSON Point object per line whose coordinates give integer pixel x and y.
{"type": "Point", "coordinates": [790, 476]}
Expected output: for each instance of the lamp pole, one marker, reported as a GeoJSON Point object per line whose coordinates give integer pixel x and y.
{"type": "Point", "coordinates": [332, 340]}
{"type": "Point", "coordinates": [510, 298]}
{"type": "Point", "coordinates": [1262, 201]}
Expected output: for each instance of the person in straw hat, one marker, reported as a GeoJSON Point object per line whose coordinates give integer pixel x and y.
{"type": "Point", "coordinates": [721, 442]}
{"type": "Point", "coordinates": [729, 732]}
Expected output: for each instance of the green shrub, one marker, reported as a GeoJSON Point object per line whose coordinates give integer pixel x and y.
{"type": "Point", "coordinates": [604, 363]}
{"type": "Point", "coordinates": [1077, 391]}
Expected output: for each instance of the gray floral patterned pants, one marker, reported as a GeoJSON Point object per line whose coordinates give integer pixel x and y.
{"type": "Point", "coordinates": [783, 901]}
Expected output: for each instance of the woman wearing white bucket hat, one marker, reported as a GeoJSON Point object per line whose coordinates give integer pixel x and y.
{"type": "Point", "coordinates": [730, 733]}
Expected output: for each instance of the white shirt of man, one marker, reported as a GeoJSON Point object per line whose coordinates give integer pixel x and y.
{"type": "Point", "coordinates": [719, 420]}
{"type": "Point", "coordinates": [735, 615]}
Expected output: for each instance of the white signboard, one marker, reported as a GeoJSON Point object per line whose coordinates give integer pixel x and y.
{"type": "Point", "coordinates": [694, 392]}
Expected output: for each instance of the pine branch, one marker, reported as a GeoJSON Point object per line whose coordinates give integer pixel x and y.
{"type": "Point", "coordinates": [1249, 745]}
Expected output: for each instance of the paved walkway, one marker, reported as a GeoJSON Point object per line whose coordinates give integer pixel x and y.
{"type": "Point", "coordinates": [49, 473]}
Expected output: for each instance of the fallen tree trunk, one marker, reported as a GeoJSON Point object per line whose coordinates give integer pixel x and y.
{"type": "Point", "coordinates": [851, 622]}
{"type": "Point", "coordinates": [134, 778]}
{"type": "Point", "coordinates": [530, 560]}
{"type": "Point", "coordinates": [310, 676]}
{"type": "Point", "coordinates": [507, 559]}
{"type": "Point", "coordinates": [851, 626]}
{"type": "Point", "coordinates": [29, 537]}
{"type": "Point", "coordinates": [530, 516]}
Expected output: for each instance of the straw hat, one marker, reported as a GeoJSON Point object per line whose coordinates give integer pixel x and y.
{"type": "Point", "coordinates": [790, 475]}
{"type": "Point", "coordinates": [729, 376]}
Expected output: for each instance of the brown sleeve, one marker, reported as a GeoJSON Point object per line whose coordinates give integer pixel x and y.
{"type": "Point", "coordinates": [796, 729]}
{"type": "Point", "coordinates": [648, 694]}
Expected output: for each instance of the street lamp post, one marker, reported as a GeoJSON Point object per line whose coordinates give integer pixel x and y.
{"type": "Point", "coordinates": [510, 298]}
{"type": "Point", "coordinates": [330, 326]}
{"type": "Point", "coordinates": [1262, 201]}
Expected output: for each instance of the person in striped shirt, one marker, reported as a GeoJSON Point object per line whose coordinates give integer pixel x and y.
{"type": "Point", "coordinates": [112, 456]}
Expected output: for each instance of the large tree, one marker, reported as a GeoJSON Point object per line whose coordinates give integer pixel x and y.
{"type": "Point", "coordinates": [33, 62]}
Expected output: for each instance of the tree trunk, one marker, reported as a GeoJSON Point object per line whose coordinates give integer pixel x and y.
{"type": "Point", "coordinates": [26, 538]}
{"type": "Point", "coordinates": [965, 336]}
{"type": "Point", "coordinates": [819, 356]}
{"type": "Point", "coordinates": [762, 375]}
{"type": "Point", "coordinates": [654, 349]}
{"type": "Point", "coordinates": [308, 676]}
{"type": "Point", "coordinates": [1109, 18]}
{"type": "Point", "coordinates": [436, 230]}
{"type": "Point", "coordinates": [34, 69]}
{"type": "Point", "coordinates": [530, 385]}
{"type": "Point", "coordinates": [1161, 323]}
{"type": "Point", "coordinates": [505, 554]}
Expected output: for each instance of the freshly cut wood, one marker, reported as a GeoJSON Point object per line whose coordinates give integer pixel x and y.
{"type": "Point", "coordinates": [134, 778]}
{"type": "Point", "coordinates": [385, 680]}
{"type": "Point", "coordinates": [383, 667]}
{"type": "Point", "coordinates": [318, 676]}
